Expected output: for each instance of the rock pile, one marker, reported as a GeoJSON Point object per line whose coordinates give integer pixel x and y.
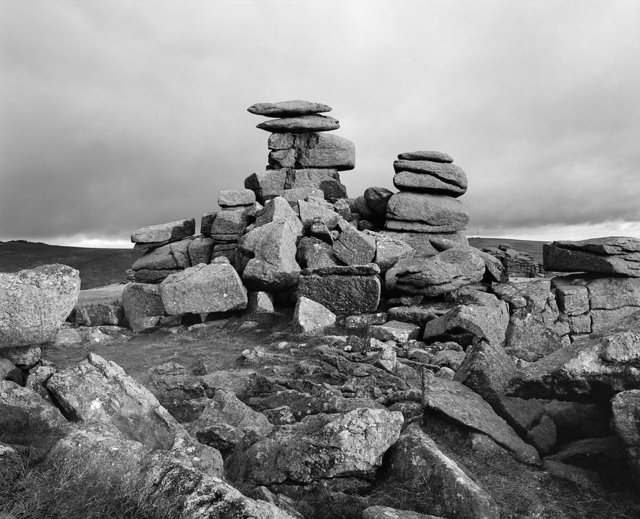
{"type": "Point", "coordinates": [429, 187]}
{"type": "Point", "coordinates": [303, 159]}
{"type": "Point", "coordinates": [516, 263]}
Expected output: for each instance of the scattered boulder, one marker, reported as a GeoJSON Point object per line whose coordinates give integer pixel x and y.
{"type": "Point", "coordinates": [34, 303]}
{"type": "Point", "coordinates": [394, 331]}
{"type": "Point", "coordinates": [354, 247]}
{"type": "Point", "coordinates": [204, 288]}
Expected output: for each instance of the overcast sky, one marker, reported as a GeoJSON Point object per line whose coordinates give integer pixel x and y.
{"type": "Point", "coordinates": [117, 114]}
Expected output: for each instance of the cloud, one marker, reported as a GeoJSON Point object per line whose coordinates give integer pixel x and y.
{"type": "Point", "coordinates": [126, 114]}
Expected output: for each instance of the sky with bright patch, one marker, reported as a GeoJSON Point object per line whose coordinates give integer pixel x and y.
{"type": "Point", "coordinates": [121, 114]}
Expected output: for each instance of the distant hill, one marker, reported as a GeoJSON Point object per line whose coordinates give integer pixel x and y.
{"type": "Point", "coordinates": [101, 267]}
{"type": "Point", "coordinates": [98, 267]}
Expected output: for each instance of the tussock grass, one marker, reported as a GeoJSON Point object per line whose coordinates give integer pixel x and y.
{"type": "Point", "coordinates": [46, 491]}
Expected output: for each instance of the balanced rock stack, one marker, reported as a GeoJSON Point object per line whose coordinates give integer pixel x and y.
{"type": "Point", "coordinates": [303, 159]}
{"type": "Point", "coordinates": [429, 186]}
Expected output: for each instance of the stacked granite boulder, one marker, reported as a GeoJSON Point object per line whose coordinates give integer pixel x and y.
{"type": "Point", "coordinates": [303, 159]}
{"type": "Point", "coordinates": [429, 186]}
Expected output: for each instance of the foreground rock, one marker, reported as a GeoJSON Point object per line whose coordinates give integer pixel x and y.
{"type": "Point", "coordinates": [204, 288]}
{"type": "Point", "coordinates": [100, 392]}
{"type": "Point", "coordinates": [466, 407]}
{"type": "Point", "coordinates": [34, 303]}
{"type": "Point", "coordinates": [311, 317]}
{"type": "Point", "coordinates": [611, 255]}
{"type": "Point", "coordinates": [416, 458]}
{"type": "Point", "coordinates": [319, 446]}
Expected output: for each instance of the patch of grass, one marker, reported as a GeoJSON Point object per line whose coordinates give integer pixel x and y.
{"type": "Point", "coordinates": [45, 491]}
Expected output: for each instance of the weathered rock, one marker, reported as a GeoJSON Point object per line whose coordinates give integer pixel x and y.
{"type": "Point", "coordinates": [278, 210]}
{"type": "Point", "coordinates": [354, 247]}
{"type": "Point", "coordinates": [325, 151]}
{"type": "Point", "coordinates": [313, 253]}
{"type": "Point", "coordinates": [6, 367]}
{"type": "Point", "coordinates": [294, 196]}
{"type": "Point", "coordinates": [487, 370]}
{"type": "Point", "coordinates": [468, 322]}
{"type": "Point", "coordinates": [230, 221]}
{"type": "Point", "coordinates": [433, 156]}
{"type": "Point", "coordinates": [273, 266]}
{"type": "Point", "coordinates": [587, 480]}
{"type": "Point", "coordinates": [142, 306]}
{"type": "Point", "coordinates": [601, 365]}
{"type": "Point", "coordinates": [603, 455]}
{"type": "Point", "coordinates": [320, 446]}
{"type": "Point", "coordinates": [11, 465]}
{"type": "Point", "coordinates": [206, 222]}
{"type": "Point", "coordinates": [24, 357]}
{"type": "Point", "coordinates": [528, 338]}
{"type": "Point", "coordinates": [626, 424]}
{"type": "Point", "coordinates": [365, 320]}
{"type": "Point", "coordinates": [343, 295]}
{"type": "Point", "coordinates": [415, 458]}
{"type": "Point", "coordinates": [200, 250]}
{"type": "Point", "coordinates": [377, 199]}
{"type": "Point", "coordinates": [225, 420]}
{"type": "Point", "coordinates": [294, 108]}
{"type": "Point", "coordinates": [394, 331]}
{"type": "Point", "coordinates": [611, 255]}
{"type": "Point", "coordinates": [449, 173]}
{"type": "Point", "coordinates": [202, 289]}
{"type": "Point", "coordinates": [389, 251]}
{"type": "Point", "coordinates": [311, 317]}
{"type": "Point", "coordinates": [99, 314]}
{"type": "Point", "coordinates": [34, 303]}
{"type": "Point", "coordinates": [99, 391]}
{"type": "Point", "coordinates": [260, 303]}
{"type": "Point", "coordinates": [572, 299]}
{"type": "Point", "coordinates": [495, 271]}
{"type": "Point", "coordinates": [266, 185]}
{"type": "Point", "coordinates": [463, 405]}
{"type": "Point", "coordinates": [423, 212]}
{"type": "Point", "coordinates": [175, 489]}
{"type": "Point", "coordinates": [436, 275]}
{"type": "Point", "coordinates": [371, 269]}
{"type": "Point", "coordinates": [309, 212]}
{"type": "Point", "coordinates": [385, 512]}
{"type": "Point", "coordinates": [516, 263]}
{"type": "Point", "coordinates": [300, 124]}
{"type": "Point", "coordinates": [172, 256]}
{"type": "Point", "coordinates": [164, 232]}
{"type": "Point", "coordinates": [422, 242]}
{"type": "Point", "coordinates": [27, 420]}
{"type": "Point", "coordinates": [419, 314]}
{"type": "Point", "coordinates": [236, 197]}
{"type": "Point", "coordinates": [410, 181]}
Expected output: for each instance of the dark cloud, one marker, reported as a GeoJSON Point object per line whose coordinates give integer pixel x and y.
{"type": "Point", "coordinates": [122, 114]}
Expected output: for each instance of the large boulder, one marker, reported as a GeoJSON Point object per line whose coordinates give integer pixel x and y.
{"type": "Point", "coordinates": [462, 405]}
{"type": "Point", "coordinates": [300, 124]}
{"type": "Point", "coordinates": [615, 255]}
{"type": "Point", "coordinates": [597, 366]}
{"type": "Point", "coordinates": [34, 303]}
{"type": "Point", "coordinates": [165, 232]}
{"type": "Point", "coordinates": [422, 212]}
{"type": "Point", "coordinates": [204, 288]}
{"type": "Point", "coordinates": [410, 181]}
{"type": "Point", "coordinates": [415, 458]}
{"type": "Point", "coordinates": [97, 391]}
{"type": "Point", "coordinates": [354, 247]}
{"type": "Point", "coordinates": [446, 172]}
{"type": "Point", "coordinates": [325, 151]}
{"type": "Point", "coordinates": [319, 446]}
{"type": "Point", "coordinates": [436, 275]}
{"type": "Point", "coordinates": [343, 290]}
